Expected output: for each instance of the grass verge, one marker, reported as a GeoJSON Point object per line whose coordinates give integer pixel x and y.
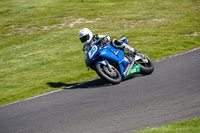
{"type": "Point", "coordinates": [189, 126]}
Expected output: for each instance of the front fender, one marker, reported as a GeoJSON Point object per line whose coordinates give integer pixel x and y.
{"type": "Point", "coordinates": [104, 62]}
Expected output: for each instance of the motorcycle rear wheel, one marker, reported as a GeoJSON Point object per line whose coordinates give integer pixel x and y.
{"type": "Point", "coordinates": [113, 76]}
{"type": "Point", "coordinates": [146, 68]}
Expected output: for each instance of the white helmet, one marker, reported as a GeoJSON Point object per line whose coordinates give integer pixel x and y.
{"type": "Point", "coordinates": [85, 35]}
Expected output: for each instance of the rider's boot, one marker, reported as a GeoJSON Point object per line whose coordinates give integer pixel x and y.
{"type": "Point", "coordinates": [129, 49]}
{"type": "Point", "coordinates": [125, 47]}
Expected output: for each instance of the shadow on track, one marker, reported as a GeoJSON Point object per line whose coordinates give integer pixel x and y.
{"type": "Point", "coordinates": [96, 83]}
{"type": "Point", "coordinates": [85, 85]}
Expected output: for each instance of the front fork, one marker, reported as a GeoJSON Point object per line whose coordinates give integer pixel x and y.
{"type": "Point", "coordinates": [125, 67]}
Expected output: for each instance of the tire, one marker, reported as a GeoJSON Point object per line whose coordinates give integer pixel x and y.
{"type": "Point", "coordinates": [113, 77]}
{"type": "Point", "coordinates": [146, 68]}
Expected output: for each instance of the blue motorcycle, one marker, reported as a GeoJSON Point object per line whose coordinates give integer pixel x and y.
{"type": "Point", "coordinates": [114, 65]}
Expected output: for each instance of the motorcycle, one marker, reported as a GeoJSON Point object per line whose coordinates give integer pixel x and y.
{"type": "Point", "coordinates": [113, 65]}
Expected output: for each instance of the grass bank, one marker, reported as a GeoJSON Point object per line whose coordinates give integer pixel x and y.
{"type": "Point", "coordinates": [189, 126]}
{"type": "Point", "coordinates": [40, 50]}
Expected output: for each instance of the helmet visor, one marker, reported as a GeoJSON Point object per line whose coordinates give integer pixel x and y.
{"type": "Point", "coordinates": [84, 38]}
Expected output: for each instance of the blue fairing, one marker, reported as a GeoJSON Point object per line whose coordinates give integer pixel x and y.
{"type": "Point", "coordinates": [112, 54]}
{"type": "Point", "coordinates": [105, 54]}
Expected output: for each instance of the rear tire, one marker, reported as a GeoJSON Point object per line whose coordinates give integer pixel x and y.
{"type": "Point", "coordinates": [146, 68]}
{"type": "Point", "coordinates": [113, 77]}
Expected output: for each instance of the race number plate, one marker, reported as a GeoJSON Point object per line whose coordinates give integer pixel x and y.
{"type": "Point", "coordinates": [92, 51]}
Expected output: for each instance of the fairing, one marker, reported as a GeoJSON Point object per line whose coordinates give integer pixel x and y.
{"type": "Point", "coordinates": [104, 55]}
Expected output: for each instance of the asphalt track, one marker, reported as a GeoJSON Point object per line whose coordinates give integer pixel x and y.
{"type": "Point", "coordinates": [170, 94]}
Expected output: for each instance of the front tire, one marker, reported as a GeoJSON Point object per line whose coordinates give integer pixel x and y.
{"type": "Point", "coordinates": [111, 76]}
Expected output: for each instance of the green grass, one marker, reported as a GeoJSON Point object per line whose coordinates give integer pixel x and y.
{"type": "Point", "coordinates": [40, 50]}
{"type": "Point", "coordinates": [189, 126]}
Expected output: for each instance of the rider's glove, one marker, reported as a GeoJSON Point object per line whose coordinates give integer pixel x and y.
{"type": "Point", "coordinates": [104, 41]}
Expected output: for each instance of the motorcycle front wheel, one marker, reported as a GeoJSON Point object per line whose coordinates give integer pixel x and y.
{"type": "Point", "coordinates": [111, 75]}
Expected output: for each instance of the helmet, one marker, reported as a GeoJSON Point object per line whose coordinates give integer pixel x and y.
{"type": "Point", "coordinates": [85, 35]}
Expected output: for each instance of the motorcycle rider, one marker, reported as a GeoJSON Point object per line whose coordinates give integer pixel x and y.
{"type": "Point", "coordinates": [87, 37]}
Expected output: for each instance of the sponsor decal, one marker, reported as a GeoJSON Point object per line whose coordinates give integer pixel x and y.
{"type": "Point", "coordinates": [134, 70]}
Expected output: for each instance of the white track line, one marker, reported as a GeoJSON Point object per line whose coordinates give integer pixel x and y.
{"type": "Point", "coordinates": [47, 93]}
{"type": "Point", "coordinates": [95, 79]}
{"type": "Point", "coordinates": [172, 56]}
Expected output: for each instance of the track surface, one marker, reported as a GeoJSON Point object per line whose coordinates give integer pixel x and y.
{"type": "Point", "coordinates": [170, 94]}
